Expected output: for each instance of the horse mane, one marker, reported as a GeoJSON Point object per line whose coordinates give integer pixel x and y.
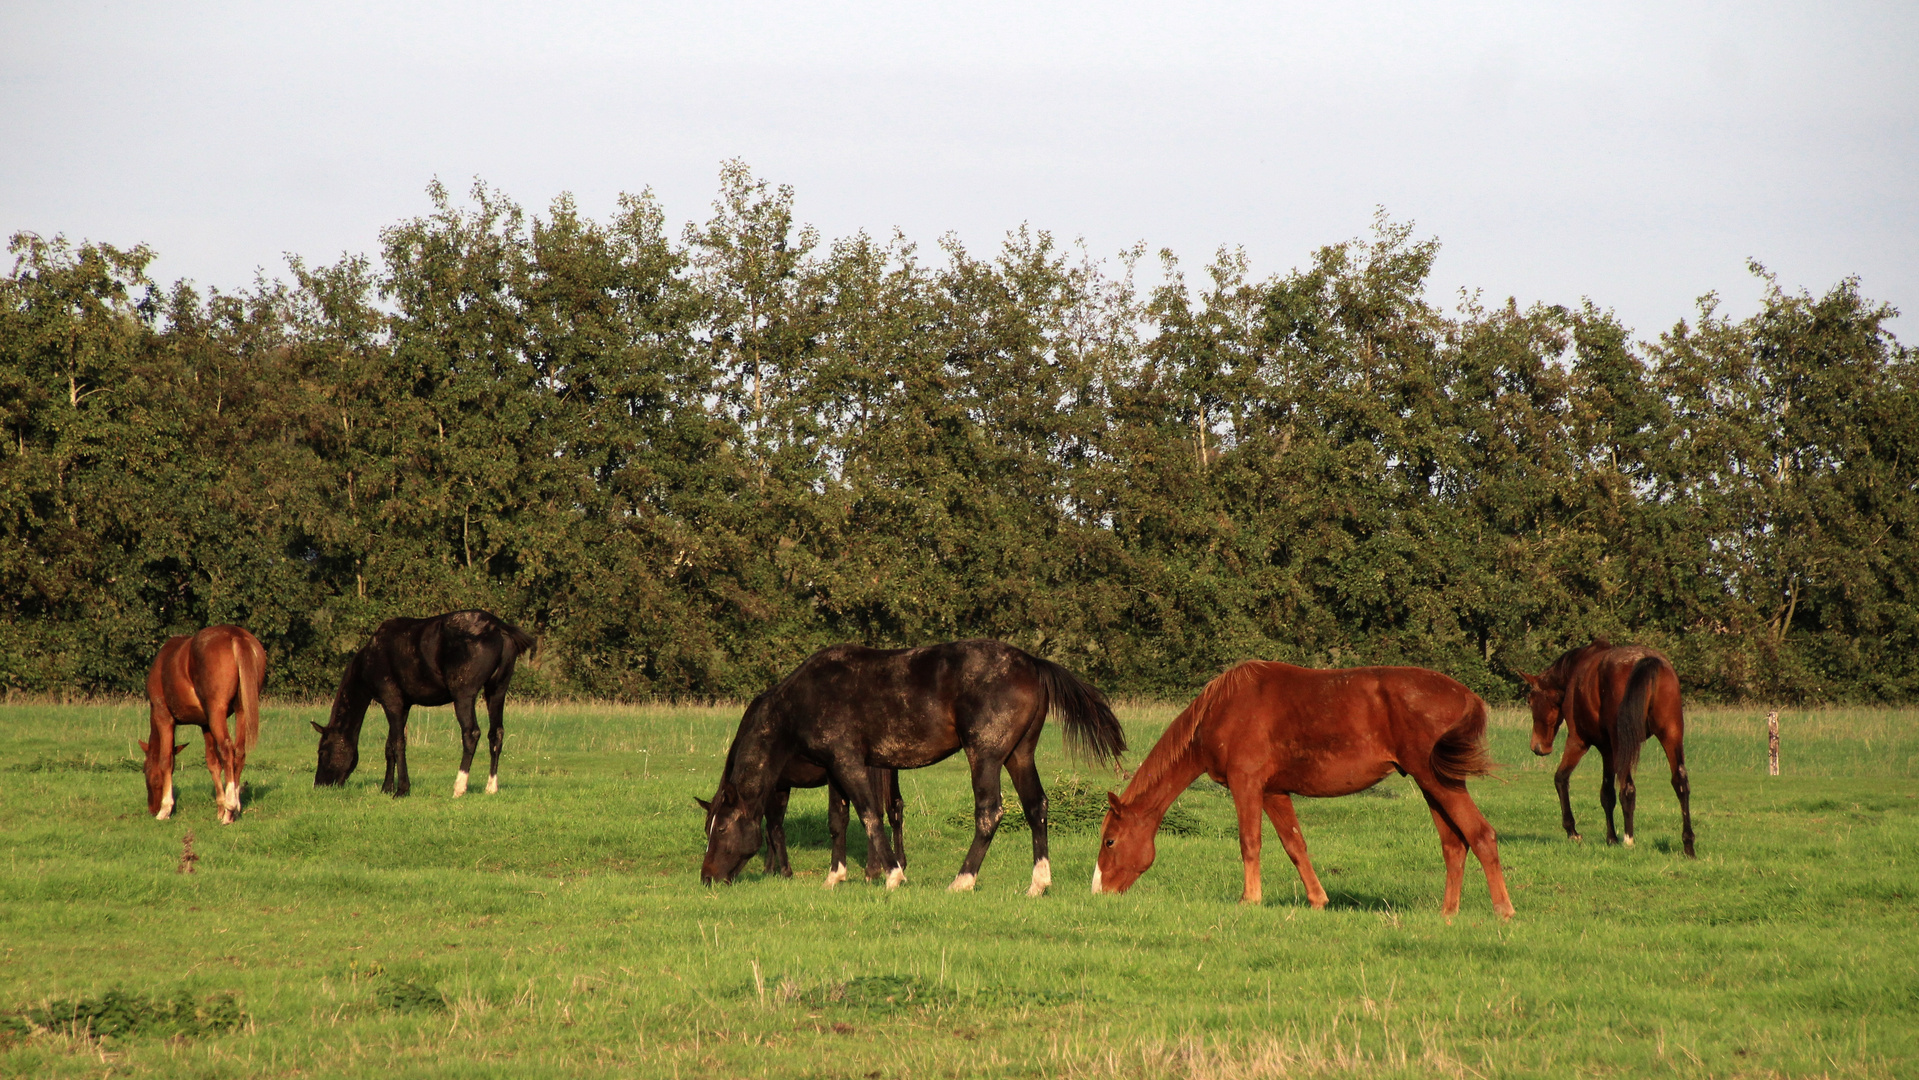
{"type": "Point", "coordinates": [1181, 740]}
{"type": "Point", "coordinates": [1561, 670]}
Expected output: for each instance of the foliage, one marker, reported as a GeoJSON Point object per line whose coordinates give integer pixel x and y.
{"type": "Point", "coordinates": [685, 464]}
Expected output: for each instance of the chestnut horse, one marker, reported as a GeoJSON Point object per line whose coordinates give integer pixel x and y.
{"type": "Point", "coordinates": [1613, 700]}
{"type": "Point", "coordinates": [852, 710]}
{"type": "Point", "coordinates": [200, 681]}
{"type": "Point", "coordinates": [1269, 731]}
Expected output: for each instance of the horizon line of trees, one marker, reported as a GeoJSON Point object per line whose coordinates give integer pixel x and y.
{"type": "Point", "coordinates": [687, 464]}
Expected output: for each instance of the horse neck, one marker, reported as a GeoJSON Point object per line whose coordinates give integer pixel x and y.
{"type": "Point", "coordinates": [1159, 782]}
{"type": "Point", "coordinates": [350, 703]}
{"type": "Point", "coordinates": [754, 761]}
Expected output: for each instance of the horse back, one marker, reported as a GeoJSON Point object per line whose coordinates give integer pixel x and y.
{"type": "Point", "coordinates": [1325, 732]}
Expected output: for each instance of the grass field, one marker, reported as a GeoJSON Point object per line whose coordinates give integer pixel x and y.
{"type": "Point", "coordinates": [559, 927]}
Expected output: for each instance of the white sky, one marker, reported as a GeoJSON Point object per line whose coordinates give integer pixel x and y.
{"type": "Point", "coordinates": [1634, 153]}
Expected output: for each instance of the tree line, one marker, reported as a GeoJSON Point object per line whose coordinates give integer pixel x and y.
{"type": "Point", "coordinates": [687, 463]}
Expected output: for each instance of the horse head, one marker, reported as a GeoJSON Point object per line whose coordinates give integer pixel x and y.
{"type": "Point", "coordinates": [1545, 699]}
{"type": "Point", "coordinates": [732, 834]}
{"type": "Point", "coordinates": [1125, 847]}
{"type": "Point", "coordinates": [339, 755]}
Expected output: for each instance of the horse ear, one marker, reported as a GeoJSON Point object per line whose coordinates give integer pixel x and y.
{"type": "Point", "coordinates": [1112, 800]}
{"type": "Point", "coordinates": [1531, 680]}
{"type": "Point", "coordinates": [143, 746]}
{"type": "Point", "coordinates": [317, 727]}
{"type": "Point", "coordinates": [704, 805]}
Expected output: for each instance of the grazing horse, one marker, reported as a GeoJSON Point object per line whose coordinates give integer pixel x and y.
{"type": "Point", "coordinates": [850, 709]}
{"type": "Point", "coordinates": [1269, 731]}
{"type": "Point", "coordinates": [1612, 699]}
{"type": "Point", "coordinates": [804, 774]}
{"type": "Point", "coordinates": [200, 681]}
{"type": "Point", "coordinates": [453, 657]}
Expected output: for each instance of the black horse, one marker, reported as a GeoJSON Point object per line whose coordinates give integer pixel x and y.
{"type": "Point", "coordinates": [804, 774]}
{"type": "Point", "coordinates": [453, 657]}
{"type": "Point", "coordinates": [850, 708]}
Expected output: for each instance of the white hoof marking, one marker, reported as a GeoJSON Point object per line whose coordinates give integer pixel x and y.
{"type": "Point", "coordinates": [1042, 877]}
{"type": "Point", "coordinates": [963, 883]}
{"type": "Point", "coordinates": [836, 875]}
{"type": "Point", "coordinates": [1096, 888]}
{"type": "Point", "coordinates": [459, 784]}
{"type": "Point", "coordinates": [493, 785]}
{"type": "Point", "coordinates": [896, 878]}
{"type": "Point", "coordinates": [1628, 841]}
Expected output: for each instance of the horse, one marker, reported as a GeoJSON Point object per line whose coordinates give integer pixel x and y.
{"type": "Point", "coordinates": [453, 657]}
{"type": "Point", "coordinates": [1613, 699]}
{"type": "Point", "coordinates": [201, 680]}
{"type": "Point", "coordinates": [848, 709]}
{"type": "Point", "coordinates": [1269, 731]}
{"type": "Point", "coordinates": [804, 774]}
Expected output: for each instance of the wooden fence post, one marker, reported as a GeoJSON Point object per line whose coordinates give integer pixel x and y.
{"type": "Point", "coordinates": [1772, 743]}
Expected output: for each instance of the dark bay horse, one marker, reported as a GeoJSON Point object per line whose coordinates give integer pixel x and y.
{"type": "Point", "coordinates": [1612, 700]}
{"type": "Point", "coordinates": [1269, 731]}
{"type": "Point", "coordinates": [200, 681]}
{"type": "Point", "coordinates": [850, 709]}
{"type": "Point", "coordinates": [801, 773]}
{"type": "Point", "coordinates": [455, 657]}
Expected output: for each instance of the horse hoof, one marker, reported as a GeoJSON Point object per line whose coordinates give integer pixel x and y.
{"type": "Point", "coordinates": [962, 883]}
{"type": "Point", "coordinates": [1575, 838]}
{"type": "Point", "coordinates": [895, 879]}
{"type": "Point", "coordinates": [1628, 841]}
{"type": "Point", "coordinates": [492, 785]}
{"type": "Point", "coordinates": [834, 876]}
{"type": "Point", "coordinates": [1505, 910]}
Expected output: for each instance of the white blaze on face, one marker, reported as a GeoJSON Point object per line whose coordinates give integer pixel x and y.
{"type": "Point", "coordinates": [459, 784]}
{"type": "Point", "coordinates": [1042, 877]}
{"type": "Point", "coordinates": [166, 803]}
{"type": "Point", "coordinates": [1096, 888]}
{"type": "Point", "coordinates": [963, 883]}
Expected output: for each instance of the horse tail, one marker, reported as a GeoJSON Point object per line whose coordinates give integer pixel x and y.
{"type": "Point", "coordinates": [522, 643]}
{"type": "Point", "coordinates": [1091, 727]}
{"type": "Point", "coordinates": [1629, 726]}
{"type": "Point", "coordinates": [1461, 751]}
{"type": "Point", "coordinates": [247, 729]}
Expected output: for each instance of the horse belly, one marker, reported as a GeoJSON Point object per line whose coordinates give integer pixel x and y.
{"type": "Point", "coordinates": [1332, 776]}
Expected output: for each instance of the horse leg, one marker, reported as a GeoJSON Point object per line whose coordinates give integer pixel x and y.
{"type": "Point", "coordinates": [1607, 798]}
{"type": "Point", "coordinates": [1452, 803]}
{"type": "Point", "coordinates": [1249, 801]}
{"type": "Point", "coordinates": [1681, 784]}
{"type": "Point", "coordinates": [469, 739]}
{"type": "Point", "coordinates": [159, 768]}
{"type": "Point", "coordinates": [889, 779]}
{"type": "Point", "coordinates": [1562, 780]}
{"type": "Point", "coordinates": [852, 778]}
{"type": "Point", "coordinates": [222, 748]}
{"type": "Point", "coordinates": [396, 783]}
{"type": "Point", "coordinates": [776, 832]}
{"type": "Point", "coordinates": [1628, 798]}
{"type": "Point", "coordinates": [987, 812]}
{"type": "Point", "coordinates": [496, 741]}
{"type": "Point", "coordinates": [1032, 801]}
{"type": "Point", "coordinates": [836, 821]}
{"type": "Point", "coordinates": [1279, 807]}
{"type": "Point", "coordinates": [1453, 847]}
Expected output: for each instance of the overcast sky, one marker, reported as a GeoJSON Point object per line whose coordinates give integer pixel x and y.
{"type": "Point", "coordinates": [1637, 154]}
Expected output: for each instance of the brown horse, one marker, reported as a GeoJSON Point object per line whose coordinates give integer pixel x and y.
{"type": "Point", "coordinates": [1269, 731]}
{"type": "Point", "coordinates": [1614, 698]}
{"type": "Point", "coordinates": [199, 681]}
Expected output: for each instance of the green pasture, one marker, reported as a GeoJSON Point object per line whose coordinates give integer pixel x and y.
{"type": "Point", "coordinates": [559, 927]}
